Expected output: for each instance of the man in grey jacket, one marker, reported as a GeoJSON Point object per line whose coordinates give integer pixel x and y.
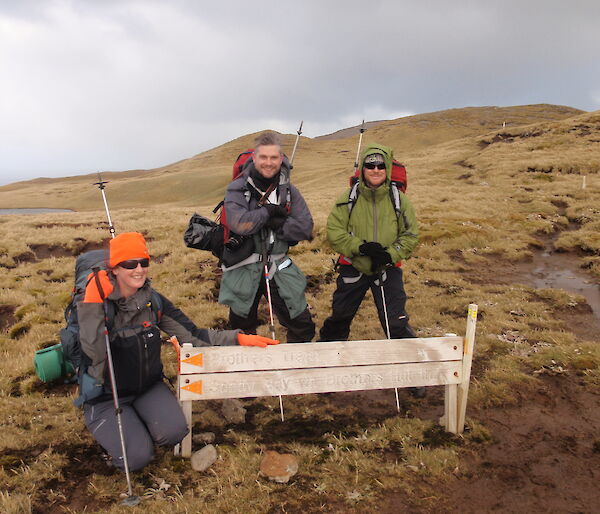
{"type": "Point", "coordinates": [269, 215]}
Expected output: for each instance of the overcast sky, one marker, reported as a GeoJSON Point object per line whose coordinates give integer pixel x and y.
{"type": "Point", "coordinates": [89, 85]}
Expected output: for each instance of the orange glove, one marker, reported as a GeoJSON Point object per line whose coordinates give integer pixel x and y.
{"type": "Point", "coordinates": [92, 295]}
{"type": "Point", "coordinates": [253, 340]}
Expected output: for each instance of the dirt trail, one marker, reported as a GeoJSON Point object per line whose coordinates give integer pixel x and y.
{"type": "Point", "coordinates": [545, 456]}
{"type": "Point", "coordinates": [545, 452]}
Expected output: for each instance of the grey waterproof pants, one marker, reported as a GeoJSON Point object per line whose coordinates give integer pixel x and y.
{"type": "Point", "coordinates": [352, 287]}
{"type": "Point", "coordinates": [300, 329]}
{"type": "Point", "coordinates": [154, 417]}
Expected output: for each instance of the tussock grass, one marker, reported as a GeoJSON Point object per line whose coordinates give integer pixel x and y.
{"type": "Point", "coordinates": [481, 210]}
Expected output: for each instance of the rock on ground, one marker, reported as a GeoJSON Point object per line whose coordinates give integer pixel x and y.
{"type": "Point", "coordinates": [233, 411]}
{"type": "Point", "coordinates": [203, 438]}
{"type": "Point", "coordinates": [279, 467]}
{"type": "Point", "coordinates": [204, 458]}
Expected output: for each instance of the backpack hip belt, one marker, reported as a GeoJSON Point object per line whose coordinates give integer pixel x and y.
{"type": "Point", "coordinates": [255, 257]}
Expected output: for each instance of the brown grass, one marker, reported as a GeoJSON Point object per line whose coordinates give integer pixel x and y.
{"type": "Point", "coordinates": [485, 199]}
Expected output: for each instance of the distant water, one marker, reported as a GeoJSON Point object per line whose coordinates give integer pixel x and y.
{"type": "Point", "coordinates": [31, 211]}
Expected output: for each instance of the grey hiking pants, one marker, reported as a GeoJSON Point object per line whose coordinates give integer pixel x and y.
{"type": "Point", "coordinates": [352, 287]}
{"type": "Point", "coordinates": [300, 329]}
{"type": "Point", "coordinates": [154, 417]}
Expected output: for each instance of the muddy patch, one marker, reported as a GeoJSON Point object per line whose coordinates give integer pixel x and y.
{"type": "Point", "coordinates": [542, 458]}
{"type": "Point", "coordinates": [71, 488]}
{"type": "Point", "coordinates": [506, 137]}
{"type": "Point", "coordinates": [15, 386]}
{"type": "Point", "coordinates": [46, 251]}
{"type": "Point", "coordinates": [547, 269]}
{"type": "Point", "coordinates": [59, 387]}
{"type": "Point", "coordinates": [83, 245]}
{"type": "Point", "coordinates": [551, 271]}
{"type": "Point", "coordinates": [348, 421]}
{"type": "Point", "coordinates": [24, 257]}
{"type": "Point", "coordinates": [7, 316]}
{"type": "Point", "coordinates": [314, 283]}
{"type": "Point", "coordinates": [561, 271]}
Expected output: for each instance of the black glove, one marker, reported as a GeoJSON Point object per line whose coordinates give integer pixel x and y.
{"type": "Point", "coordinates": [276, 210]}
{"type": "Point", "coordinates": [380, 260]}
{"type": "Point", "coordinates": [275, 223]}
{"type": "Point", "coordinates": [371, 248]}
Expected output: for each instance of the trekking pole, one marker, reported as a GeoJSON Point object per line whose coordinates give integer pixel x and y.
{"type": "Point", "coordinates": [265, 256]}
{"type": "Point", "coordinates": [269, 301]}
{"type": "Point", "coordinates": [362, 130]}
{"type": "Point", "coordinates": [101, 185]}
{"type": "Point", "coordinates": [131, 500]}
{"type": "Point", "coordinates": [387, 326]}
{"type": "Point", "coordinates": [296, 144]}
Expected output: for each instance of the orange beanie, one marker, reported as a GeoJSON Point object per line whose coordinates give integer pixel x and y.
{"type": "Point", "coordinates": [128, 245]}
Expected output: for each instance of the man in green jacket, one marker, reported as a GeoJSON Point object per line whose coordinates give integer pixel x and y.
{"type": "Point", "coordinates": [373, 232]}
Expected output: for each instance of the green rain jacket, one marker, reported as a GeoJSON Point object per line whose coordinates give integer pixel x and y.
{"type": "Point", "coordinates": [373, 218]}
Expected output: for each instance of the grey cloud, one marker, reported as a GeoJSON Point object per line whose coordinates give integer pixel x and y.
{"type": "Point", "coordinates": [129, 83]}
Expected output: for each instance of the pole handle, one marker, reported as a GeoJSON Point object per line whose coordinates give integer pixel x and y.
{"type": "Point", "coordinates": [362, 130]}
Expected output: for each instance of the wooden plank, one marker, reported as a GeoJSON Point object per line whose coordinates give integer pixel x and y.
{"type": "Point", "coordinates": [463, 387]}
{"type": "Point", "coordinates": [450, 415]}
{"type": "Point", "coordinates": [186, 443]}
{"type": "Point", "coordinates": [242, 384]}
{"type": "Point", "coordinates": [185, 447]}
{"type": "Point", "coordinates": [319, 355]}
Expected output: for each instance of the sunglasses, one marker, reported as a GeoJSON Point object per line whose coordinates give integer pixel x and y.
{"type": "Point", "coordinates": [372, 166]}
{"type": "Point", "coordinates": [133, 263]}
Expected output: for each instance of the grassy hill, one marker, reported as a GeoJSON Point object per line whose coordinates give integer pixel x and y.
{"type": "Point", "coordinates": [203, 177]}
{"type": "Point", "coordinates": [493, 203]}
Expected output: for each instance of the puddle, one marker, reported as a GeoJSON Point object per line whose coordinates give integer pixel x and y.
{"type": "Point", "coordinates": [32, 211]}
{"type": "Point", "coordinates": [548, 269]}
{"type": "Point", "coordinates": [560, 271]}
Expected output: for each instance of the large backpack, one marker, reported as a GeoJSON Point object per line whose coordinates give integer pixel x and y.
{"type": "Point", "coordinates": [398, 178]}
{"type": "Point", "coordinates": [240, 162]}
{"type": "Point", "coordinates": [205, 234]}
{"type": "Point", "coordinates": [243, 160]}
{"type": "Point", "coordinates": [215, 236]}
{"type": "Point", "coordinates": [398, 182]}
{"type": "Point", "coordinates": [85, 264]}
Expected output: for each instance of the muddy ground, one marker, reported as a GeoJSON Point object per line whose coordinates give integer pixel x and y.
{"type": "Point", "coordinates": [543, 455]}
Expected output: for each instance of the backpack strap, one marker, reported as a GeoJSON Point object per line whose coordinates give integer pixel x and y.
{"type": "Point", "coordinates": [352, 197]}
{"type": "Point", "coordinates": [156, 305]}
{"type": "Point", "coordinates": [395, 198]}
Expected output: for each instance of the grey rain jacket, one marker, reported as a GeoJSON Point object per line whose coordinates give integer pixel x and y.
{"type": "Point", "coordinates": [240, 282]}
{"type": "Point", "coordinates": [135, 339]}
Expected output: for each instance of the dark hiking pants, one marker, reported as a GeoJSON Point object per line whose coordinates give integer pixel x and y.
{"type": "Point", "coordinates": [154, 417]}
{"type": "Point", "coordinates": [300, 329]}
{"type": "Point", "coordinates": [352, 286]}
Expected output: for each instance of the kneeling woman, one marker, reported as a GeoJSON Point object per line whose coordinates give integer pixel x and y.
{"type": "Point", "coordinates": [123, 301]}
